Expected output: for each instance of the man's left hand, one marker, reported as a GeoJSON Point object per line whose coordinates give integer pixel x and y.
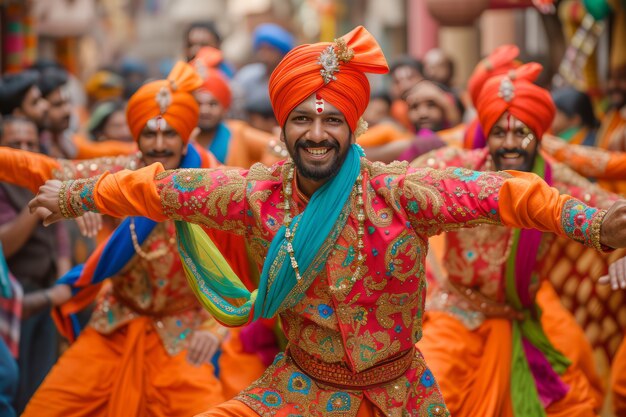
{"type": "Point", "coordinates": [616, 276]}
{"type": "Point", "coordinates": [202, 346]}
{"type": "Point", "coordinates": [48, 197]}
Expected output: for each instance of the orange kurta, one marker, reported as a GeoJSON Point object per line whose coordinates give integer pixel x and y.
{"type": "Point", "coordinates": [127, 373]}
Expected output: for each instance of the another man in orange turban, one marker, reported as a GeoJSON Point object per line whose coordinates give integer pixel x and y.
{"type": "Point", "coordinates": [498, 344]}
{"type": "Point", "coordinates": [340, 241]}
{"type": "Point", "coordinates": [499, 62]}
{"type": "Point", "coordinates": [148, 347]}
{"type": "Point", "coordinates": [232, 142]}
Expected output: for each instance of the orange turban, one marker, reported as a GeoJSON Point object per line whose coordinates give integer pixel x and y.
{"type": "Point", "coordinates": [340, 79]}
{"type": "Point", "coordinates": [206, 61]}
{"type": "Point", "coordinates": [515, 93]}
{"type": "Point", "coordinates": [170, 99]}
{"type": "Point", "coordinates": [499, 62]}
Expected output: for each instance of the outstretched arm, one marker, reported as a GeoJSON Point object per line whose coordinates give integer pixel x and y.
{"type": "Point", "coordinates": [30, 170]}
{"type": "Point", "coordinates": [587, 160]}
{"type": "Point", "coordinates": [211, 197]}
{"type": "Point", "coordinates": [438, 201]}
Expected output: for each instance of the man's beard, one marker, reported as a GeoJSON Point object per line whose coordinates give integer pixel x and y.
{"type": "Point", "coordinates": [317, 173]}
{"type": "Point", "coordinates": [528, 160]}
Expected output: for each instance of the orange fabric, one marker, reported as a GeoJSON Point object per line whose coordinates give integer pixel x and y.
{"type": "Point", "coordinates": [527, 202]}
{"type": "Point", "coordinates": [499, 62]}
{"type": "Point", "coordinates": [238, 369]}
{"type": "Point", "coordinates": [26, 169]}
{"type": "Point", "coordinates": [528, 102]}
{"type": "Point", "coordinates": [234, 408]}
{"type": "Point", "coordinates": [618, 380]}
{"type": "Point", "coordinates": [126, 373]}
{"type": "Point", "coordinates": [88, 149]}
{"type": "Point", "coordinates": [482, 359]}
{"type": "Point", "coordinates": [569, 338]}
{"type": "Point", "coordinates": [471, 367]}
{"type": "Point", "coordinates": [216, 84]}
{"type": "Point", "coordinates": [205, 63]}
{"type": "Point", "coordinates": [247, 144]}
{"type": "Point", "coordinates": [298, 76]}
{"type": "Point", "coordinates": [400, 112]}
{"type": "Point", "coordinates": [180, 109]}
{"type": "Point", "coordinates": [381, 134]}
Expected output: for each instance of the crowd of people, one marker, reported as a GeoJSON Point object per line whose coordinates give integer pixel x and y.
{"type": "Point", "coordinates": [281, 239]}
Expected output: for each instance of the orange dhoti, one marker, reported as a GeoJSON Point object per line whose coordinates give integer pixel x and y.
{"type": "Point", "coordinates": [238, 369]}
{"type": "Point", "coordinates": [473, 368]}
{"type": "Point", "coordinates": [618, 380]}
{"type": "Point", "coordinates": [128, 373]}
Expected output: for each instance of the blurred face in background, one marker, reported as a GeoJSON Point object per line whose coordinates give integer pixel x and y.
{"type": "Point", "coordinates": [425, 107]}
{"type": "Point", "coordinates": [116, 128]}
{"type": "Point", "coordinates": [20, 134]}
{"type": "Point", "coordinates": [211, 110]}
{"type": "Point", "coordinates": [34, 107]}
{"type": "Point", "coordinates": [403, 79]}
{"type": "Point", "coordinates": [59, 113]}
{"type": "Point", "coordinates": [197, 38]}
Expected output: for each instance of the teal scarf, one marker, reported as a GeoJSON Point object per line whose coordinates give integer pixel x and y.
{"type": "Point", "coordinates": [314, 231]}
{"type": "Point", "coordinates": [310, 229]}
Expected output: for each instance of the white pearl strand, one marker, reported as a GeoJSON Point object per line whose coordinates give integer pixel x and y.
{"type": "Point", "coordinates": [360, 232]}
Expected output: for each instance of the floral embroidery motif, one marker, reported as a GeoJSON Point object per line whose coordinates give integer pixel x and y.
{"type": "Point", "coordinates": [299, 383]}
{"type": "Point", "coordinates": [578, 221]}
{"type": "Point", "coordinates": [339, 401]}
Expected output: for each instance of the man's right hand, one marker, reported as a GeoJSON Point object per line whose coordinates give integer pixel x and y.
{"type": "Point", "coordinates": [613, 229]}
{"type": "Point", "coordinates": [48, 198]}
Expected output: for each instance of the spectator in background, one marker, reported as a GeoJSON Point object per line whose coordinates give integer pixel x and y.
{"type": "Point", "coordinates": [439, 67]}
{"type": "Point", "coordinates": [20, 96]}
{"type": "Point", "coordinates": [259, 112]}
{"type": "Point", "coordinates": [108, 122]}
{"type": "Point", "coordinates": [201, 34]}
{"type": "Point", "coordinates": [270, 43]}
{"type": "Point", "coordinates": [575, 121]}
{"type": "Point", "coordinates": [36, 255]}
{"type": "Point", "coordinates": [405, 72]}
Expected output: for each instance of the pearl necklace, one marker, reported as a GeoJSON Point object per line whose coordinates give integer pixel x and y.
{"type": "Point", "coordinates": [289, 234]}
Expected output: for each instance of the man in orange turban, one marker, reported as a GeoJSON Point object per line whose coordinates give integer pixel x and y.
{"type": "Point", "coordinates": [496, 335]}
{"type": "Point", "coordinates": [340, 241]}
{"type": "Point", "coordinates": [232, 142]}
{"type": "Point", "coordinates": [148, 347]}
{"type": "Point", "coordinates": [499, 62]}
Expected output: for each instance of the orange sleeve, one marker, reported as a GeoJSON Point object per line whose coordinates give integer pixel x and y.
{"type": "Point", "coordinates": [381, 134]}
{"type": "Point", "coordinates": [87, 149]}
{"type": "Point", "coordinates": [527, 202]}
{"type": "Point", "coordinates": [587, 160]}
{"type": "Point", "coordinates": [127, 193]}
{"type": "Point", "coordinates": [26, 169]}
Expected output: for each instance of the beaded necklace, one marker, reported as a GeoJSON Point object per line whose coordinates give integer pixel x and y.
{"type": "Point", "coordinates": [290, 233]}
{"type": "Point", "coordinates": [151, 255]}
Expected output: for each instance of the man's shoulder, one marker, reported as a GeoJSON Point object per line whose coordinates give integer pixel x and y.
{"type": "Point", "coordinates": [377, 169]}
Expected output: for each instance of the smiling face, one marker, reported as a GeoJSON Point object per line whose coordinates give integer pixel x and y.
{"type": "Point", "coordinates": [317, 137]}
{"type": "Point", "coordinates": [512, 144]}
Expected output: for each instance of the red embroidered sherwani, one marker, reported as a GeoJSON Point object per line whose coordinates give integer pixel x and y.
{"type": "Point", "coordinates": [354, 334]}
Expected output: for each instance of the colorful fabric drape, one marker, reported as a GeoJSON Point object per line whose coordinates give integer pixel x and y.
{"type": "Point", "coordinates": [107, 261]}
{"type": "Point", "coordinates": [223, 294]}
{"type": "Point", "coordinates": [536, 364]}
{"type": "Point", "coordinates": [11, 296]}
